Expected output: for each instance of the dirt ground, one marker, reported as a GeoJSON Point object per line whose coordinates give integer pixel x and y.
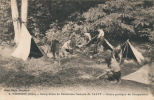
{"type": "Point", "coordinates": [77, 73]}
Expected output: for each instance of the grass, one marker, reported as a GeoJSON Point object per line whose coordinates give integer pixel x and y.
{"type": "Point", "coordinates": [79, 70]}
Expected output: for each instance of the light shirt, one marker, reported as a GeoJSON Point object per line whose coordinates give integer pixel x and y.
{"type": "Point", "coordinates": [101, 33]}
{"type": "Point", "coordinates": [88, 36]}
{"type": "Point", "coordinates": [115, 67]}
{"type": "Point", "coordinates": [67, 45]}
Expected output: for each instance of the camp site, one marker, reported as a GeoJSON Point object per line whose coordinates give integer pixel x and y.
{"type": "Point", "coordinates": [81, 45]}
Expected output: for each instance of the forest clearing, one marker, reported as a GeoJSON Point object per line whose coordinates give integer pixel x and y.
{"type": "Point", "coordinates": [122, 21]}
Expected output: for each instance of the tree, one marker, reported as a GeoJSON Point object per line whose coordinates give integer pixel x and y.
{"type": "Point", "coordinates": [6, 26]}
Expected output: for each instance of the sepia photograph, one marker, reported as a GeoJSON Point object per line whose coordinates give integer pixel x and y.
{"type": "Point", "coordinates": [77, 49]}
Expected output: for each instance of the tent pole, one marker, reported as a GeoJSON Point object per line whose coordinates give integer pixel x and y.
{"type": "Point", "coordinates": [127, 51]}
{"type": "Point", "coordinates": [123, 50]}
{"type": "Point", "coordinates": [91, 40]}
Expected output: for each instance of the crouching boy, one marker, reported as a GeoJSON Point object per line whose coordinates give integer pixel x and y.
{"type": "Point", "coordinates": [66, 48]}
{"type": "Point", "coordinates": [114, 71]}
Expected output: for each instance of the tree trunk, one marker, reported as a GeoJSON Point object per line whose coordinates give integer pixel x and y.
{"type": "Point", "coordinates": [24, 11]}
{"type": "Point", "coordinates": [16, 22]}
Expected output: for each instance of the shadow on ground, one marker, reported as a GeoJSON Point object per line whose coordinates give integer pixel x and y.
{"type": "Point", "coordinates": [75, 71]}
{"type": "Point", "coordinates": [65, 78]}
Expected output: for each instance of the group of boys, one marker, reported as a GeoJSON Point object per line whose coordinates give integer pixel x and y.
{"type": "Point", "coordinates": [113, 72]}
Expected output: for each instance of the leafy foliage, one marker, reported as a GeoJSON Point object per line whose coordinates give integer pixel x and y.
{"type": "Point", "coordinates": [120, 19]}
{"type": "Point", "coordinates": [6, 26]}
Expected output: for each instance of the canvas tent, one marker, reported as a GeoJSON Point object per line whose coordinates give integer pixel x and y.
{"type": "Point", "coordinates": [129, 51]}
{"type": "Point", "coordinates": [27, 46]}
{"type": "Point", "coordinates": [107, 45]}
{"type": "Point", "coordinates": [141, 75]}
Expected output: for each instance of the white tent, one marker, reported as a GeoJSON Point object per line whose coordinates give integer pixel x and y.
{"type": "Point", "coordinates": [129, 51]}
{"type": "Point", "coordinates": [23, 49]}
{"type": "Point", "coordinates": [26, 46]}
{"type": "Point", "coordinates": [141, 76]}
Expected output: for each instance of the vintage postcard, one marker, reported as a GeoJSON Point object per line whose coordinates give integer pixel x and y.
{"type": "Point", "coordinates": [76, 49]}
